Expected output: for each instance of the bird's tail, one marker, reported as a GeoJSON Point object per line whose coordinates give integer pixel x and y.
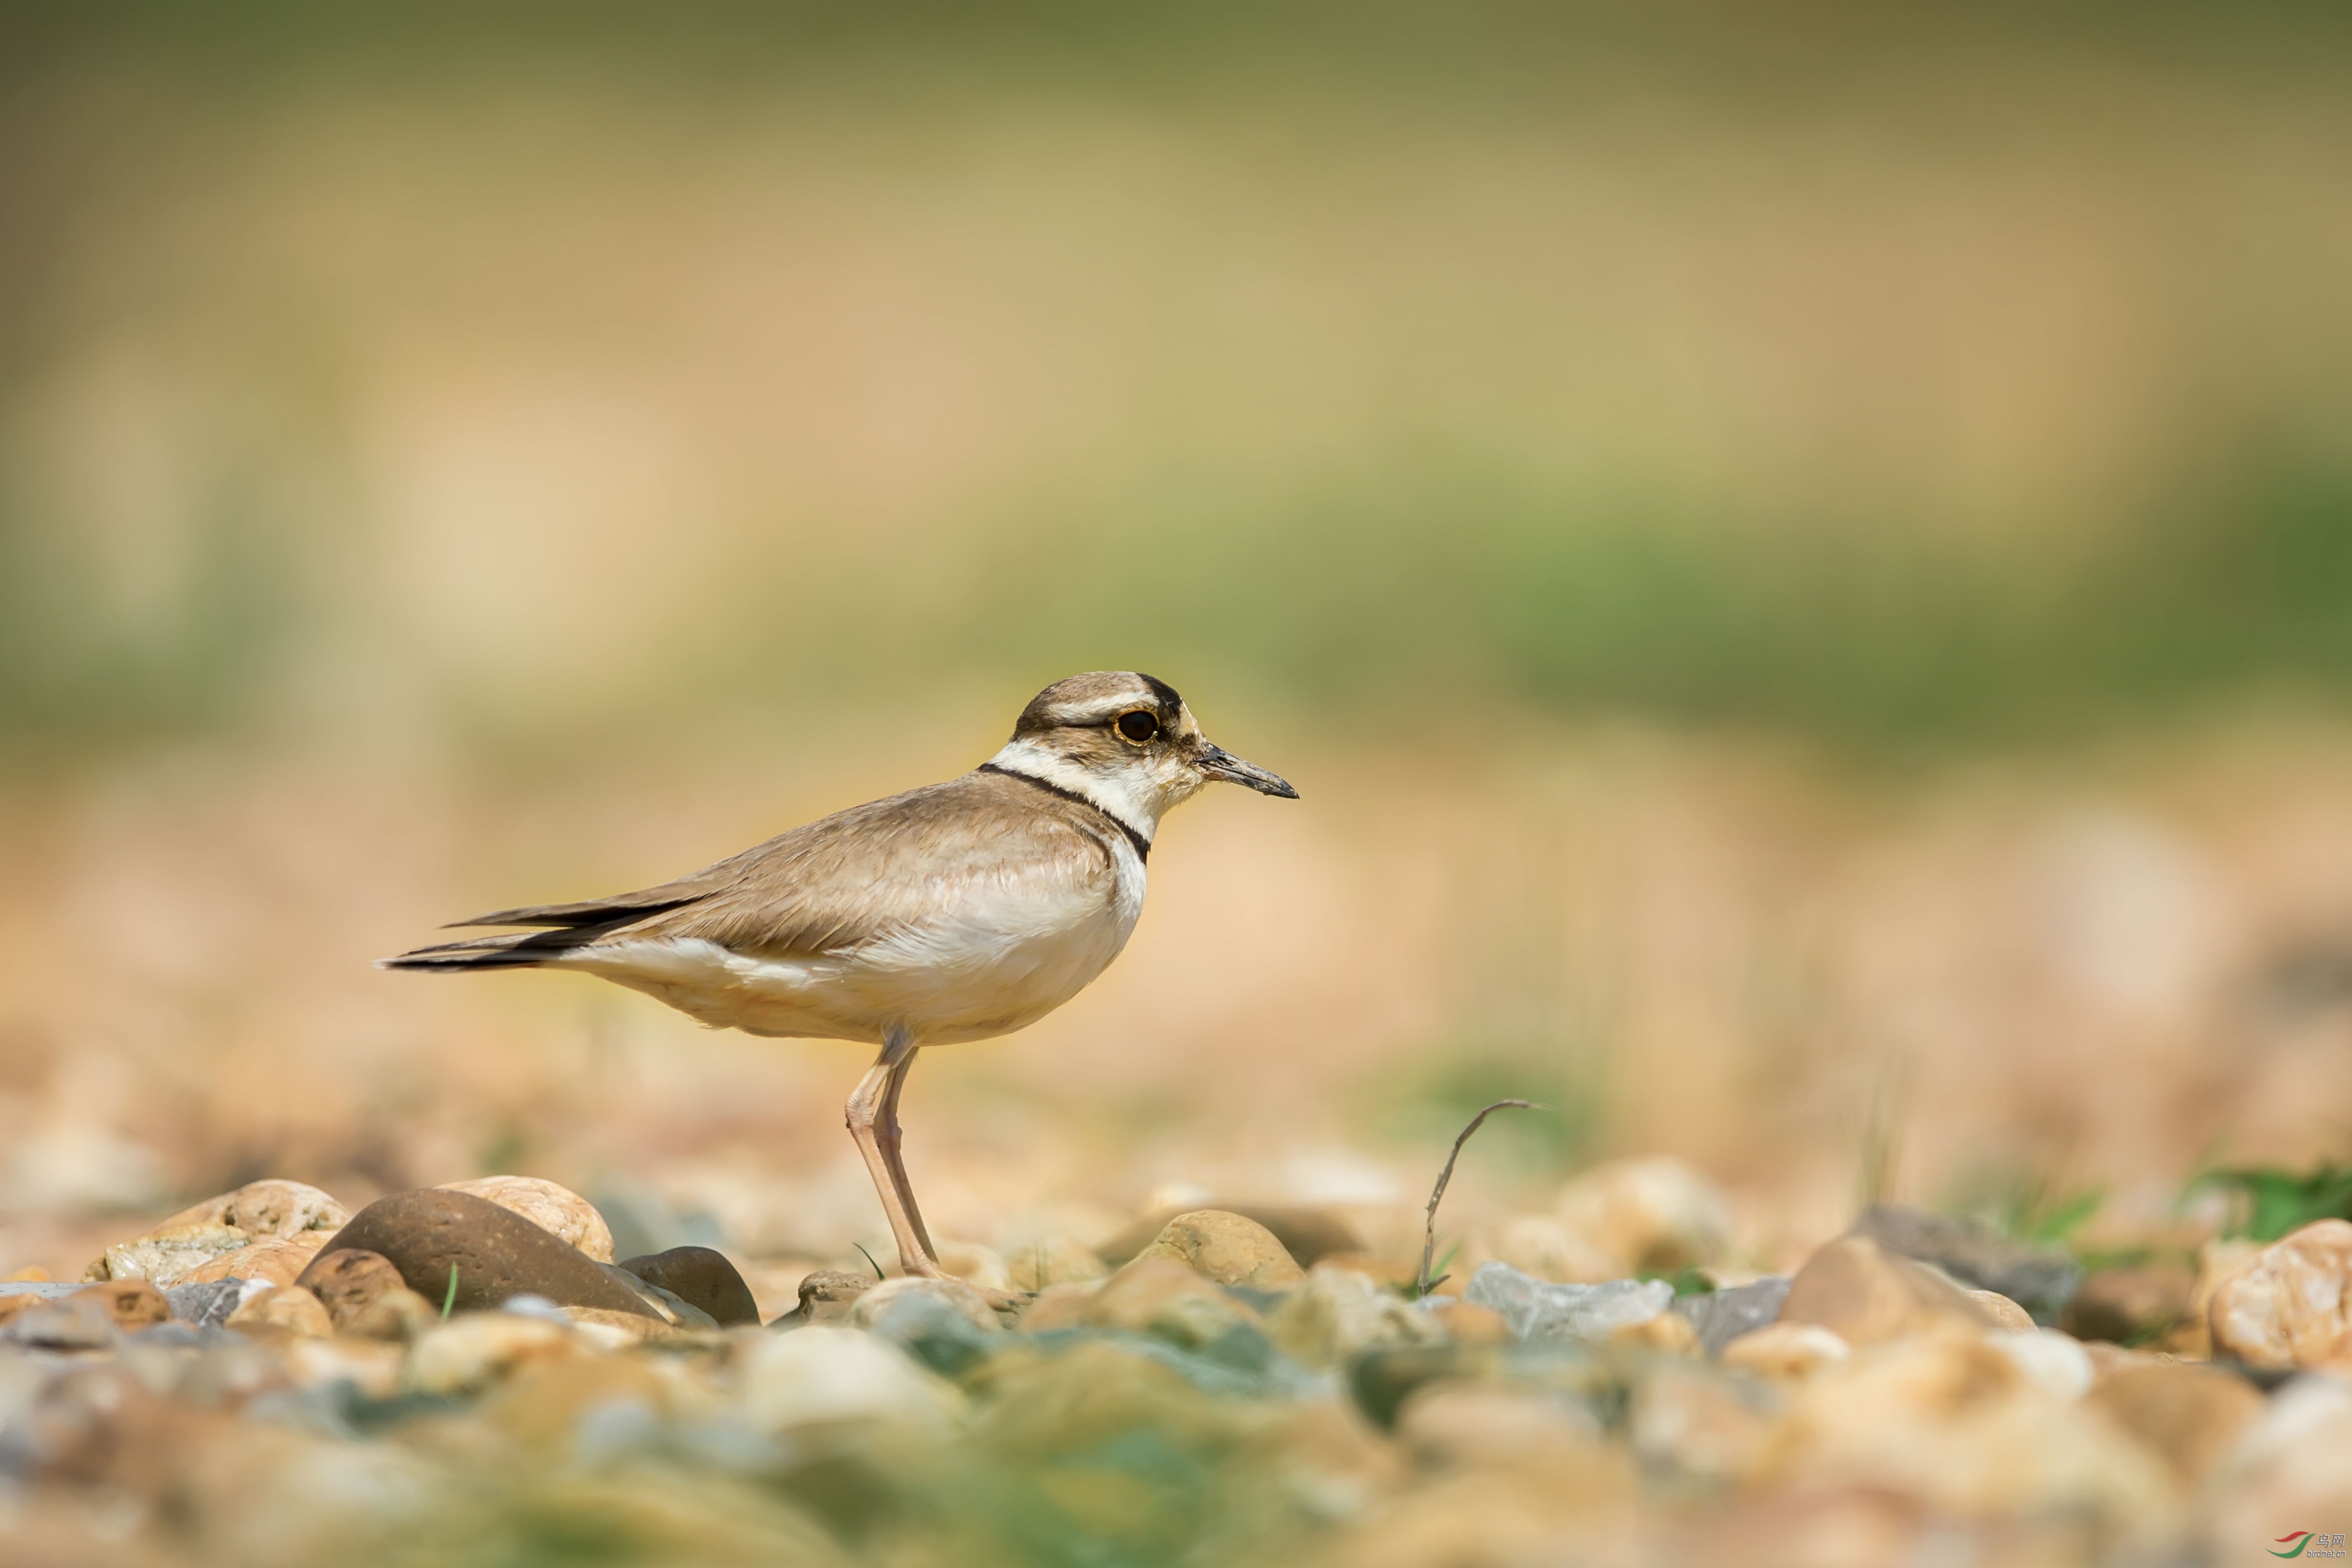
{"type": "Point", "coordinates": [517, 950]}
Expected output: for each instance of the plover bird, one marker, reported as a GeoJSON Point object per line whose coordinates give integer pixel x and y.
{"type": "Point", "coordinates": [957, 911]}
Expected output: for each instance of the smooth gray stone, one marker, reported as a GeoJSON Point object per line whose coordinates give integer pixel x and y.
{"type": "Point", "coordinates": [1723, 1316]}
{"type": "Point", "coordinates": [46, 1290]}
{"type": "Point", "coordinates": [1539, 1309]}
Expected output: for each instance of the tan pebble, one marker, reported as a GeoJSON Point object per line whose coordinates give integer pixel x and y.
{"type": "Point", "coordinates": [2292, 1304]}
{"type": "Point", "coordinates": [556, 1209]}
{"type": "Point", "coordinates": [2106, 1360]}
{"type": "Point", "coordinates": [1454, 1422]}
{"type": "Point", "coordinates": [1538, 1245]}
{"type": "Point", "coordinates": [966, 1302]}
{"type": "Point", "coordinates": [1340, 1312]}
{"type": "Point", "coordinates": [2055, 1362]}
{"type": "Point", "coordinates": [1657, 1213]}
{"type": "Point", "coordinates": [279, 1262]}
{"type": "Point", "coordinates": [543, 1402]}
{"type": "Point", "coordinates": [2188, 1414]}
{"type": "Point", "coordinates": [609, 1330]}
{"type": "Point", "coordinates": [371, 1366]}
{"type": "Point", "coordinates": [133, 1304]}
{"type": "Point", "coordinates": [289, 1308]}
{"type": "Point", "coordinates": [1226, 1249]}
{"type": "Point", "coordinates": [166, 1255]}
{"type": "Point", "coordinates": [975, 1265]}
{"type": "Point", "coordinates": [1668, 1333]}
{"type": "Point", "coordinates": [2003, 1313]}
{"type": "Point", "coordinates": [473, 1349]}
{"type": "Point", "coordinates": [31, 1274]}
{"type": "Point", "coordinates": [1061, 1306]}
{"type": "Point", "coordinates": [1467, 1323]}
{"type": "Point", "coordinates": [1159, 1296]}
{"type": "Point", "coordinates": [1867, 1295]}
{"type": "Point", "coordinates": [1699, 1420]}
{"type": "Point", "coordinates": [1785, 1353]}
{"type": "Point", "coordinates": [1053, 1261]}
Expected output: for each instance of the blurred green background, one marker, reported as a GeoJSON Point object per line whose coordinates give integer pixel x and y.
{"type": "Point", "coordinates": [537, 377]}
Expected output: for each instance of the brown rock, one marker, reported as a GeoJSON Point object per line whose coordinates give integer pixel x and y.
{"type": "Point", "coordinates": [827, 1296]}
{"type": "Point", "coordinates": [1867, 1295]}
{"type": "Point", "coordinates": [364, 1295]}
{"type": "Point", "coordinates": [1309, 1234]}
{"type": "Point", "coordinates": [701, 1278]}
{"type": "Point", "coordinates": [2189, 1415]}
{"type": "Point", "coordinates": [2127, 1306]}
{"type": "Point", "coordinates": [2292, 1305]}
{"type": "Point", "coordinates": [131, 1304]}
{"type": "Point", "coordinates": [286, 1308]}
{"type": "Point", "coordinates": [2004, 1313]}
{"type": "Point", "coordinates": [1161, 1297]}
{"type": "Point", "coordinates": [559, 1211]}
{"type": "Point", "coordinates": [495, 1253]}
{"type": "Point", "coordinates": [279, 1262]}
{"type": "Point", "coordinates": [1226, 1248]}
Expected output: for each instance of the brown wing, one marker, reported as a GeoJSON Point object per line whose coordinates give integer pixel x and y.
{"type": "Point", "coordinates": [842, 880]}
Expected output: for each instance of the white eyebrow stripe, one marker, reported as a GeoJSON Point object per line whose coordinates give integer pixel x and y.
{"type": "Point", "coordinates": [1102, 708]}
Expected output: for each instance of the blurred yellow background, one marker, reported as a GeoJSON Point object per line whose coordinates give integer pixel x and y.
{"type": "Point", "coordinates": [1798, 557]}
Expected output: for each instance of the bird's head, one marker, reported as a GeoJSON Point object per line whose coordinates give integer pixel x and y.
{"type": "Point", "coordinates": [1127, 742]}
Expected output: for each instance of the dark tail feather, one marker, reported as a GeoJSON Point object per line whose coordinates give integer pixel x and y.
{"type": "Point", "coordinates": [523, 950]}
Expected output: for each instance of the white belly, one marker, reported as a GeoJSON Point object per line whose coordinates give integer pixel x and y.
{"type": "Point", "coordinates": [987, 968]}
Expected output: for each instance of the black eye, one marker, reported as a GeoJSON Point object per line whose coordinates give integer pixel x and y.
{"type": "Point", "coordinates": [1138, 726]}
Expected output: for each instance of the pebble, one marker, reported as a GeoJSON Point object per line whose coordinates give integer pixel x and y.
{"type": "Point", "coordinates": [1053, 1261]}
{"type": "Point", "coordinates": [1701, 1423]}
{"type": "Point", "coordinates": [1785, 1353]}
{"type": "Point", "coordinates": [1540, 1309]}
{"type": "Point", "coordinates": [1307, 1234]}
{"type": "Point", "coordinates": [975, 1265]}
{"type": "Point", "coordinates": [278, 1262]}
{"type": "Point", "coordinates": [1867, 1294]}
{"type": "Point", "coordinates": [131, 1304]}
{"type": "Point", "coordinates": [165, 1254]}
{"type": "Point", "coordinates": [1060, 1306]}
{"type": "Point", "coordinates": [1456, 1423]}
{"type": "Point", "coordinates": [204, 1306]}
{"type": "Point", "coordinates": [2131, 1305]}
{"type": "Point", "coordinates": [702, 1277]}
{"type": "Point", "coordinates": [289, 1307]}
{"type": "Point", "coordinates": [270, 1207]}
{"type": "Point", "coordinates": [1722, 1316]}
{"type": "Point", "coordinates": [1467, 1325]}
{"type": "Point", "coordinates": [2292, 1304]}
{"type": "Point", "coordinates": [2001, 1311]}
{"type": "Point", "coordinates": [1542, 1248]}
{"type": "Point", "coordinates": [1339, 1313]}
{"type": "Point", "coordinates": [1658, 1214]}
{"type": "Point", "coordinates": [496, 1253]}
{"type": "Point", "coordinates": [826, 1374]}
{"type": "Point", "coordinates": [474, 1350]}
{"type": "Point", "coordinates": [1954, 1424]}
{"type": "Point", "coordinates": [827, 1296]}
{"type": "Point", "coordinates": [2189, 1415]}
{"type": "Point", "coordinates": [363, 1294]}
{"type": "Point", "coordinates": [557, 1210]}
{"type": "Point", "coordinates": [1160, 1296]}
{"type": "Point", "coordinates": [926, 1298]}
{"type": "Point", "coordinates": [2054, 1361]}
{"type": "Point", "coordinates": [2038, 1278]}
{"type": "Point", "coordinates": [1226, 1248]}
{"type": "Point", "coordinates": [75, 1322]}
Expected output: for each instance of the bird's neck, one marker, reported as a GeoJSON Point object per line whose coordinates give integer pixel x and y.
{"type": "Point", "coordinates": [1136, 802]}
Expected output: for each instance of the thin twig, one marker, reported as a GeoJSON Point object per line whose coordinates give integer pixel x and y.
{"type": "Point", "coordinates": [1422, 1284]}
